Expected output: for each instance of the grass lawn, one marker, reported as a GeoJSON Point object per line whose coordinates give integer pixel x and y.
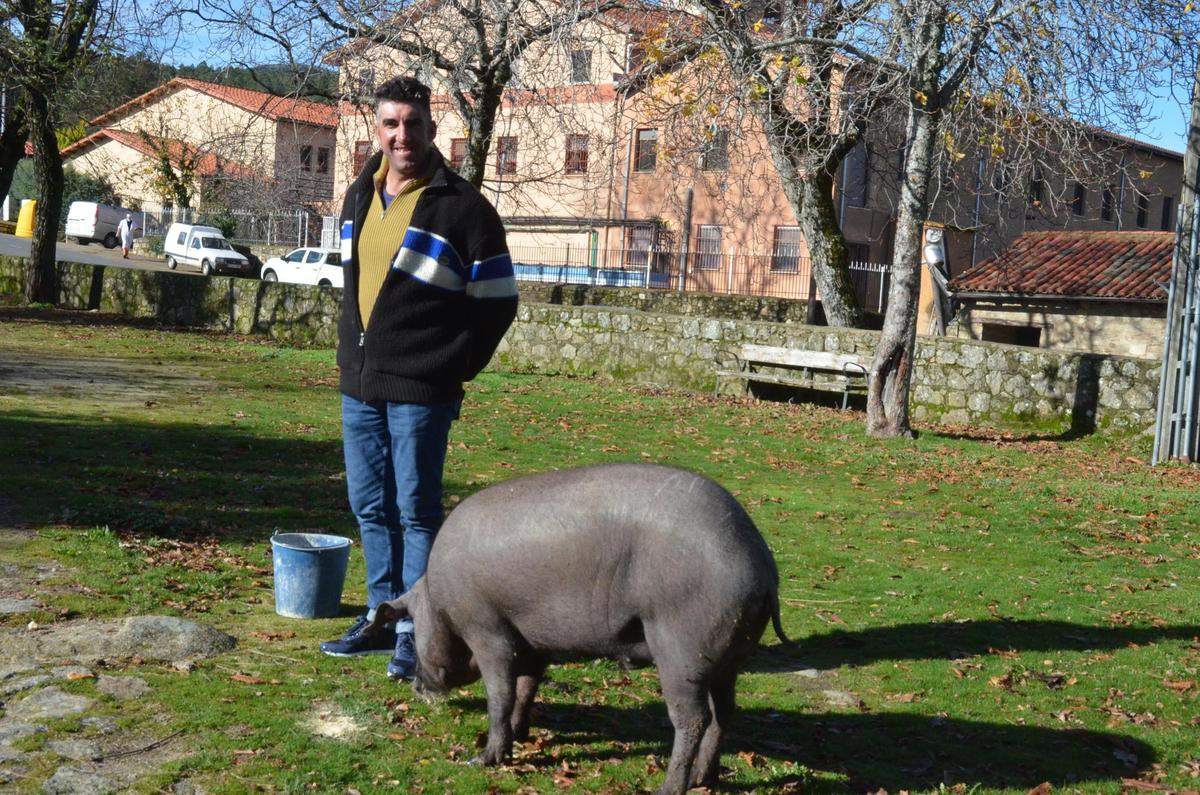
{"type": "Point", "coordinates": [977, 611]}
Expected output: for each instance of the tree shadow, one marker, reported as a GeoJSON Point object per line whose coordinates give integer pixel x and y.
{"type": "Point", "coordinates": [950, 640]}
{"type": "Point", "coordinates": [865, 752]}
{"type": "Point", "coordinates": [172, 480]}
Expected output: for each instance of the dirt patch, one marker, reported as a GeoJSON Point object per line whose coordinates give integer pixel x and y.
{"type": "Point", "coordinates": [106, 379]}
{"type": "Point", "coordinates": [328, 720]}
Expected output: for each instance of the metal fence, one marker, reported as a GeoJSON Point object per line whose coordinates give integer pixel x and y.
{"type": "Point", "coordinates": [730, 273]}
{"type": "Point", "coordinates": [278, 228]}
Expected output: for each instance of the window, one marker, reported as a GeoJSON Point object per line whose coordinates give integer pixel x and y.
{"type": "Point", "coordinates": [1168, 214]}
{"type": "Point", "coordinates": [196, 243]}
{"type": "Point", "coordinates": [577, 154]}
{"type": "Point", "coordinates": [295, 256]}
{"type": "Point", "coordinates": [1106, 203]}
{"type": "Point", "coordinates": [362, 153]}
{"type": "Point", "coordinates": [313, 257]}
{"type": "Point", "coordinates": [639, 241]}
{"type": "Point", "coordinates": [1078, 201]}
{"type": "Point", "coordinates": [1141, 203]}
{"type": "Point", "coordinates": [785, 251]}
{"type": "Point", "coordinates": [1029, 336]}
{"type": "Point", "coordinates": [1037, 186]}
{"type": "Point", "coordinates": [581, 66]}
{"type": "Point", "coordinates": [635, 56]}
{"type": "Point", "coordinates": [506, 155]}
{"type": "Point", "coordinates": [708, 248]}
{"type": "Point", "coordinates": [458, 153]}
{"type": "Point", "coordinates": [366, 82]}
{"type": "Point", "coordinates": [856, 176]}
{"type": "Point", "coordinates": [645, 156]}
{"type": "Point", "coordinates": [716, 151]}
{"type": "Point", "coordinates": [182, 239]}
{"type": "Point", "coordinates": [323, 160]}
{"type": "Point", "coordinates": [333, 258]}
{"type": "Point", "coordinates": [306, 158]}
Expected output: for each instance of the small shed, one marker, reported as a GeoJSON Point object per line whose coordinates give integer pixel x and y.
{"type": "Point", "coordinates": [1092, 291]}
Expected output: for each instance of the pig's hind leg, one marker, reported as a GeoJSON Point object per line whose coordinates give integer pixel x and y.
{"type": "Point", "coordinates": [722, 702]}
{"type": "Point", "coordinates": [529, 676]}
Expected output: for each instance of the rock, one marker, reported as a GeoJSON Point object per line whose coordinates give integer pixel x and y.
{"type": "Point", "coordinates": [10, 606]}
{"type": "Point", "coordinates": [14, 730]}
{"type": "Point", "coordinates": [73, 781]}
{"type": "Point", "coordinates": [17, 685]}
{"type": "Point", "coordinates": [840, 698]}
{"type": "Point", "coordinates": [50, 702]}
{"type": "Point", "coordinates": [102, 724]}
{"type": "Point", "coordinates": [122, 687]}
{"type": "Point", "coordinates": [150, 637]}
{"type": "Point", "coordinates": [78, 750]}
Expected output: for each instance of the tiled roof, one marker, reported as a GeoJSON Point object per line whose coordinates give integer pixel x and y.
{"type": "Point", "coordinates": [1076, 264]}
{"type": "Point", "coordinates": [209, 163]}
{"type": "Point", "coordinates": [301, 111]}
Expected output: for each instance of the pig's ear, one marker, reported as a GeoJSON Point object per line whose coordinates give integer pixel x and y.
{"type": "Point", "coordinates": [386, 615]}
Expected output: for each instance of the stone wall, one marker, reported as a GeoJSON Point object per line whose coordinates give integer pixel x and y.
{"type": "Point", "coordinates": [668, 339]}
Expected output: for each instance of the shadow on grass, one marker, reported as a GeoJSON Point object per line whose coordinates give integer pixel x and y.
{"type": "Point", "coordinates": [951, 641]}
{"type": "Point", "coordinates": [169, 480]}
{"type": "Point", "coordinates": [866, 752]}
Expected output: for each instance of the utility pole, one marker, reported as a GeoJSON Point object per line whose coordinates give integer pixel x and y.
{"type": "Point", "coordinates": [1177, 419]}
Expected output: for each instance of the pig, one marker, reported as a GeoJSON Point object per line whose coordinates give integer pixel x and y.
{"type": "Point", "coordinates": [642, 563]}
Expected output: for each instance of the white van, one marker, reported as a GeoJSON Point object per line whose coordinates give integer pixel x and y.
{"type": "Point", "coordinates": [206, 248]}
{"type": "Point", "coordinates": [94, 222]}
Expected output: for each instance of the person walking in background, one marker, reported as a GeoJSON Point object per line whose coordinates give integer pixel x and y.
{"type": "Point", "coordinates": [125, 233]}
{"type": "Point", "coordinates": [429, 293]}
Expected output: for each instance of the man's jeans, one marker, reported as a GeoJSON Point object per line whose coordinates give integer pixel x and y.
{"type": "Point", "coordinates": [395, 453]}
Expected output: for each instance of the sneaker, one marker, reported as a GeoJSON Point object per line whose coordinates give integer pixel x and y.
{"type": "Point", "coordinates": [403, 664]}
{"type": "Point", "coordinates": [355, 643]}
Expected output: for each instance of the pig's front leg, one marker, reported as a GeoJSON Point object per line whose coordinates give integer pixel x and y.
{"type": "Point", "coordinates": [498, 667]}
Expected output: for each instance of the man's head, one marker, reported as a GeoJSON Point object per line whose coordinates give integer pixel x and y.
{"type": "Point", "coordinates": [404, 126]}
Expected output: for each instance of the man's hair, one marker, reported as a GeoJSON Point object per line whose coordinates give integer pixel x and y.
{"type": "Point", "coordinates": [403, 89]}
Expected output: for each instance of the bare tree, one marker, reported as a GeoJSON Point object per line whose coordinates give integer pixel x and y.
{"type": "Point", "coordinates": [13, 134]}
{"type": "Point", "coordinates": [466, 51]}
{"type": "Point", "coordinates": [42, 44]}
{"type": "Point", "coordinates": [1017, 80]}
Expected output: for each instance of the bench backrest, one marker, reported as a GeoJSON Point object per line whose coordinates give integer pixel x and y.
{"type": "Point", "coordinates": [796, 357]}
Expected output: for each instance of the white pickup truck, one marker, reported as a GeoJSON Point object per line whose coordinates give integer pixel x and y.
{"type": "Point", "coordinates": [204, 247]}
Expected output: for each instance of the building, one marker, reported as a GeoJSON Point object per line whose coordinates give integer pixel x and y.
{"type": "Point", "coordinates": [252, 149]}
{"type": "Point", "coordinates": [1096, 291]}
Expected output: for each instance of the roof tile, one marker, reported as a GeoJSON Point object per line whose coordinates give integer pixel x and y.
{"type": "Point", "coordinates": [1076, 264]}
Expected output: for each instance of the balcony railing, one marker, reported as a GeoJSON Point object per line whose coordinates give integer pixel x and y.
{"type": "Point", "coordinates": [778, 275]}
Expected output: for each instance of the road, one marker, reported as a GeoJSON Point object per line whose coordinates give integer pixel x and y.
{"type": "Point", "coordinates": [94, 254]}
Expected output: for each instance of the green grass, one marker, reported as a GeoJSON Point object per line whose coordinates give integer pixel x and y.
{"type": "Point", "coordinates": [995, 610]}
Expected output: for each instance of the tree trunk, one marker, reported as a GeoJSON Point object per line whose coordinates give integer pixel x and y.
{"type": "Point", "coordinates": [828, 256]}
{"type": "Point", "coordinates": [810, 195]}
{"type": "Point", "coordinates": [481, 126]}
{"type": "Point", "coordinates": [891, 370]}
{"type": "Point", "coordinates": [48, 170]}
{"type": "Point", "coordinates": [12, 143]}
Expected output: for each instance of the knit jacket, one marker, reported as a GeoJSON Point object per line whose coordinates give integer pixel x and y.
{"type": "Point", "coordinates": [445, 303]}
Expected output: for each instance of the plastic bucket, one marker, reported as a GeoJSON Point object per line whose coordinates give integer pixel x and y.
{"type": "Point", "coordinates": [26, 217]}
{"type": "Point", "coordinates": [310, 570]}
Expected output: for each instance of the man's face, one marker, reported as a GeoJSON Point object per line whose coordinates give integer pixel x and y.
{"type": "Point", "coordinates": [405, 134]}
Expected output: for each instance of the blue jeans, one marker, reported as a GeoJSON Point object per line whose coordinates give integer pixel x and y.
{"type": "Point", "coordinates": [395, 453]}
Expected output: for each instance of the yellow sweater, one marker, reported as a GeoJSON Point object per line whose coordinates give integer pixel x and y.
{"type": "Point", "coordinates": [382, 233]}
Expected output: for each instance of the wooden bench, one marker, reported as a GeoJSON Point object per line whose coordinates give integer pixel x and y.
{"type": "Point", "coordinates": [817, 369]}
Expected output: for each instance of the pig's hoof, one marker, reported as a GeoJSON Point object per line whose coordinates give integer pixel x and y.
{"type": "Point", "coordinates": [486, 760]}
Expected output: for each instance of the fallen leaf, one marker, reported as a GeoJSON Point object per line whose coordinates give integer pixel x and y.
{"type": "Point", "coordinates": [1045, 788]}
{"type": "Point", "coordinates": [247, 679]}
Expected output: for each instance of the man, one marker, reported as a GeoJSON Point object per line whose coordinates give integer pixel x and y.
{"type": "Point", "coordinates": [125, 233]}
{"type": "Point", "coordinates": [429, 293]}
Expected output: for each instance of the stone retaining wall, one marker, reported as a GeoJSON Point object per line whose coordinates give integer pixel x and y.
{"type": "Point", "coordinates": [667, 339]}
